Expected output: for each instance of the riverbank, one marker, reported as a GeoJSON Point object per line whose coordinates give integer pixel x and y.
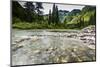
{"type": "Point", "coordinates": [28, 26]}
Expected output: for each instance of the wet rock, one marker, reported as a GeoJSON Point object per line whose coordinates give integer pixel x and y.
{"type": "Point", "coordinates": [37, 51]}
{"type": "Point", "coordinates": [16, 48]}
{"type": "Point", "coordinates": [82, 38]}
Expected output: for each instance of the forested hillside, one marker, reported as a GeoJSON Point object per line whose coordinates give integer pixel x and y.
{"type": "Point", "coordinates": [30, 16]}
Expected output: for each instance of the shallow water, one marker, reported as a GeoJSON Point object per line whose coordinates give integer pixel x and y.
{"type": "Point", "coordinates": [37, 47]}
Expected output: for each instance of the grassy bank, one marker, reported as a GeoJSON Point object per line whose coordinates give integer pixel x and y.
{"type": "Point", "coordinates": [26, 25]}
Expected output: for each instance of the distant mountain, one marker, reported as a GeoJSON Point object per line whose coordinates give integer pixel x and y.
{"type": "Point", "coordinates": [74, 12]}
{"type": "Point", "coordinates": [63, 11]}
{"type": "Point", "coordinates": [62, 14]}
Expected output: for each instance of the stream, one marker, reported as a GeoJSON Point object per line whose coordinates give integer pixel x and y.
{"type": "Point", "coordinates": [44, 46]}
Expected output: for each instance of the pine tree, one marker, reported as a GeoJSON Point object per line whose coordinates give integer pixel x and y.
{"type": "Point", "coordinates": [29, 6]}
{"type": "Point", "coordinates": [38, 7]}
{"type": "Point", "coordinates": [53, 13]}
{"type": "Point", "coordinates": [57, 16]}
{"type": "Point", "coordinates": [50, 17]}
{"type": "Point", "coordinates": [39, 12]}
{"type": "Point", "coordinates": [30, 10]}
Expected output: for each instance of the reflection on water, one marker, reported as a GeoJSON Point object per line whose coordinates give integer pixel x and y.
{"type": "Point", "coordinates": [37, 47]}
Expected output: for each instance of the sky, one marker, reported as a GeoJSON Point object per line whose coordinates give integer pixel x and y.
{"type": "Point", "coordinates": [48, 6]}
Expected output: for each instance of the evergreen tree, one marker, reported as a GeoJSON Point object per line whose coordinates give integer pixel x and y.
{"type": "Point", "coordinates": [29, 6]}
{"type": "Point", "coordinates": [53, 13]}
{"type": "Point", "coordinates": [50, 17]}
{"type": "Point", "coordinates": [30, 11]}
{"type": "Point", "coordinates": [38, 7]}
{"type": "Point", "coordinates": [18, 11]}
{"type": "Point", "coordinates": [39, 12]}
{"type": "Point", "coordinates": [57, 16]}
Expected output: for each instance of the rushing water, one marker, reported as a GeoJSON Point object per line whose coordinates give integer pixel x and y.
{"type": "Point", "coordinates": [42, 46]}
